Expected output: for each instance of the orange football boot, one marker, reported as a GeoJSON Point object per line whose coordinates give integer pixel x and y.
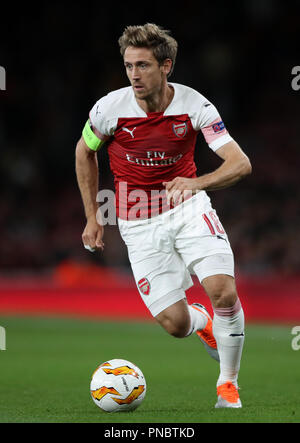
{"type": "Point", "coordinates": [228, 396]}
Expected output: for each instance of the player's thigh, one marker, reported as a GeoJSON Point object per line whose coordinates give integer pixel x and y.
{"type": "Point", "coordinates": [216, 274]}
{"type": "Point", "coordinates": [161, 280]}
{"type": "Point", "coordinates": [160, 274]}
{"type": "Point", "coordinates": [199, 238]}
{"type": "Point", "coordinates": [204, 246]}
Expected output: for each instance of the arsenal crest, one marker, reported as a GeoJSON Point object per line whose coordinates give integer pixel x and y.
{"type": "Point", "coordinates": [180, 129]}
{"type": "Point", "coordinates": [144, 286]}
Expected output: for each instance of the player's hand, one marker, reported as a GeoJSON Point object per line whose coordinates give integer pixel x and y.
{"type": "Point", "coordinates": [180, 189]}
{"type": "Point", "coordinates": [92, 236]}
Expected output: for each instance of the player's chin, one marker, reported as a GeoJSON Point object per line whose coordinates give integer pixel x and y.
{"type": "Point", "coordinates": [140, 93]}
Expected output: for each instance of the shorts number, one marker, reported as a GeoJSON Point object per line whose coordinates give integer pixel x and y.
{"type": "Point", "coordinates": [213, 219]}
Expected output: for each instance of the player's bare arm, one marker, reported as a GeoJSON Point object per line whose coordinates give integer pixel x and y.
{"type": "Point", "coordinates": [236, 165]}
{"type": "Point", "coordinates": [87, 178]}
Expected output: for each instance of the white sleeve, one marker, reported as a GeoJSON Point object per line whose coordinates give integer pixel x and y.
{"type": "Point", "coordinates": [207, 120]}
{"type": "Point", "coordinates": [99, 120]}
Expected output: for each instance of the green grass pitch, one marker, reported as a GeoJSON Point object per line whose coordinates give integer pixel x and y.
{"type": "Point", "coordinates": [47, 365]}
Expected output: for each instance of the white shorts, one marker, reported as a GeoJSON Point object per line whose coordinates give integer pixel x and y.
{"type": "Point", "coordinates": [165, 250]}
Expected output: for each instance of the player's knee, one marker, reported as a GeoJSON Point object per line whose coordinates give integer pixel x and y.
{"type": "Point", "coordinates": [224, 298]}
{"type": "Point", "coordinates": [223, 292]}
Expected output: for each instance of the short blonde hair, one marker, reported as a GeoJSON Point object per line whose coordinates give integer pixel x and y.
{"type": "Point", "coordinates": [153, 37]}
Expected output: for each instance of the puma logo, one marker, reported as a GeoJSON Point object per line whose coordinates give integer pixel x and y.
{"type": "Point", "coordinates": [128, 130]}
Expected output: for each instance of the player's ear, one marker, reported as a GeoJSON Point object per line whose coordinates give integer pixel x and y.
{"type": "Point", "coordinates": [167, 66]}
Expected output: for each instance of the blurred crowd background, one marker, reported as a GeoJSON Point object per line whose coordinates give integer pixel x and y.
{"type": "Point", "coordinates": [62, 57]}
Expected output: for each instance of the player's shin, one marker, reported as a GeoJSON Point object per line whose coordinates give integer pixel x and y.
{"type": "Point", "coordinates": [228, 329]}
{"type": "Point", "coordinates": [198, 320]}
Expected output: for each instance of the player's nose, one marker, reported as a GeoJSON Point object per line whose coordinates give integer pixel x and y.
{"type": "Point", "coordinates": [135, 73]}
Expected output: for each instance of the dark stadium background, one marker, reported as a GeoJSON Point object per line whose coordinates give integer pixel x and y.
{"type": "Point", "coordinates": [59, 59]}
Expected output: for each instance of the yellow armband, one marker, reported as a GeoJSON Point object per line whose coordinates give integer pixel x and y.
{"type": "Point", "coordinates": [90, 138]}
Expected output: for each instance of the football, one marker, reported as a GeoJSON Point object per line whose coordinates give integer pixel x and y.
{"type": "Point", "coordinates": [118, 385]}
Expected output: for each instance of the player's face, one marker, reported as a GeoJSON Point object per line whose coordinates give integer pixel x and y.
{"type": "Point", "coordinates": [144, 72]}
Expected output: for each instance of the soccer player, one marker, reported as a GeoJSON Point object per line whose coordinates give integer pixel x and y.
{"type": "Point", "coordinates": [164, 213]}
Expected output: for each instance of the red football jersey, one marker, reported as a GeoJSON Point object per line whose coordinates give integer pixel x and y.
{"type": "Point", "coordinates": [146, 150]}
